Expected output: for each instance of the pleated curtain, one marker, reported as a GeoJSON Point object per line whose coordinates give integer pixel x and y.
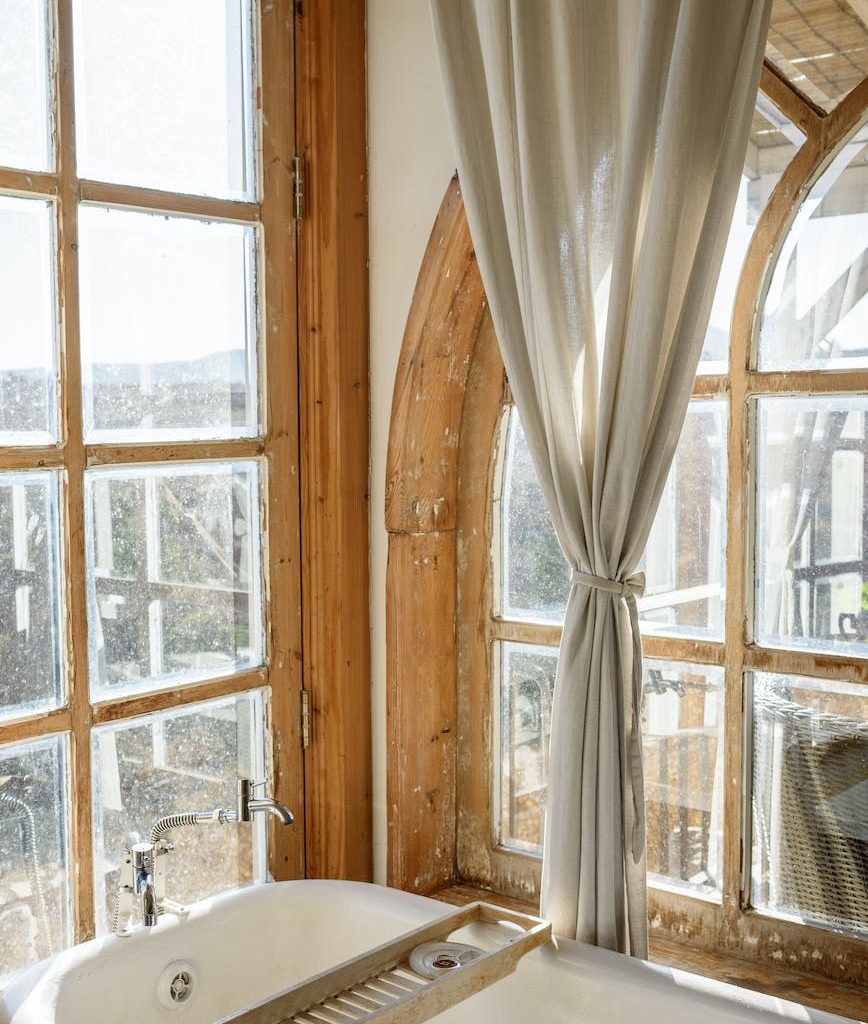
{"type": "Point", "coordinates": [600, 145]}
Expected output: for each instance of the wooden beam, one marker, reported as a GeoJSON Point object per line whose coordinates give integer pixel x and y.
{"type": "Point", "coordinates": [421, 723]}
{"type": "Point", "coordinates": [333, 353]}
{"type": "Point", "coordinates": [282, 547]}
{"type": "Point", "coordinates": [441, 331]}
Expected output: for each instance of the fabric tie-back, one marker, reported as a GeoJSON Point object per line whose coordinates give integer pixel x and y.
{"type": "Point", "coordinates": [600, 146]}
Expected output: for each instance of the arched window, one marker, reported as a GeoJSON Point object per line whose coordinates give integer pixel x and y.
{"type": "Point", "coordinates": [754, 624]}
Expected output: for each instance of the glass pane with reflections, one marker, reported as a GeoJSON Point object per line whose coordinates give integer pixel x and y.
{"type": "Point", "coordinates": [35, 884]}
{"type": "Point", "coordinates": [527, 682]}
{"type": "Point", "coordinates": [30, 632]}
{"type": "Point", "coordinates": [535, 574]}
{"type": "Point", "coordinates": [25, 90]}
{"type": "Point", "coordinates": [810, 800]}
{"type": "Point", "coordinates": [28, 323]}
{"type": "Point", "coordinates": [186, 759]}
{"type": "Point", "coordinates": [811, 570]}
{"type": "Point", "coordinates": [164, 94]}
{"type": "Point", "coordinates": [173, 574]}
{"type": "Point", "coordinates": [684, 557]}
{"type": "Point", "coordinates": [168, 327]}
{"type": "Point", "coordinates": [774, 141]}
{"type": "Point", "coordinates": [682, 745]}
{"type": "Point", "coordinates": [816, 309]}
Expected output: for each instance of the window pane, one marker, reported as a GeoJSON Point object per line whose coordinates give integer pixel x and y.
{"type": "Point", "coordinates": [163, 94]}
{"type": "Point", "coordinates": [774, 142]}
{"type": "Point", "coordinates": [25, 126]}
{"type": "Point", "coordinates": [30, 633]}
{"type": "Point", "coordinates": [820, 47]}
{"type": "Point", "coordinates": [682, 744]}
{"type": "Point", "coordinates": [173, 574]}
{"type": "Point", "coordinates": [810, 800]}
{"type": "Point", "coordinates": [684, 557]}
{"type": "Point", "coordinates": [35, 918]}
{"type": "Point", "coordinates": [28, 322]}
{"type": "Point", "coordinates": [816, 311]}
{"type": "Point", "coordinates": [527, 682]}
{"type": "Point", "coordinates": [536, 576]}
{"type": "Point", "coordinates": [168, 327]}
{"type": "Point", "coordinates": [182, 760]}
{"type": "Point", "coordinates": [810, 547]}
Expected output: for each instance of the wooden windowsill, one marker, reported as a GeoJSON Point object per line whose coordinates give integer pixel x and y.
{"type": "Point", "coordinates": [817, 993]}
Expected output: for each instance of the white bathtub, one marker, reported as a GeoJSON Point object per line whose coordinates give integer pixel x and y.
{"type": "Point", "coordinates": [247, 945]}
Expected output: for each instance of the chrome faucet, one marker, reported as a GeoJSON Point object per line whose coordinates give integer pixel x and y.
{"type": "Point", "coordinates": [143, 858]}
{"type": "Point", "coordinates": [248, 805]}
{"type": "Point", "coordinates": [142, 875]}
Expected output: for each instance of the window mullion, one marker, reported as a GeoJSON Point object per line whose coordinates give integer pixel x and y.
{"type": "Point", "coordinates": [70, 386]}
{"type": "Point", "coordinates": [739, 521]}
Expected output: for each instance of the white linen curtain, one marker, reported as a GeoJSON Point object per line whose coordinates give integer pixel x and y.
{"type": "Point", "coordinates": [600, 146]}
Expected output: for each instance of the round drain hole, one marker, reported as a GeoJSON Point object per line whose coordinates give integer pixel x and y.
{"type": "Point", "coordinates": [176, 985]}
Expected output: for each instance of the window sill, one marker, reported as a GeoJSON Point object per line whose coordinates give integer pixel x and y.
{"type": "Point", "coordinates": [817, 993]}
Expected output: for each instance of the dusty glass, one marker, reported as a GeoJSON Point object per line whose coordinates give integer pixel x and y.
{"type": "Point", "coordinates": [811, 571]}
{"type": "Point", "coordinates": [173, 574]}
{"type": "Point", "coordinates": [816, 311]}
{"type": "Point", "coordinates": [774, 141]}
{"type": "Point", "coordinates": [535, 575]}
{"type": "Point", "coordinates": [685, 555]}
{"type": "Point", "coordinates": [28, 323]}
{"type": "Point", "coordinates": [168, 327]}
{"type": "Point", "coordinates": [819, 48]}
{"type": "Point", "coordinates": [810, 800]}
{"type": "Point", "coordinates": [164, 95]}
{"type": "Point", "coordinates": [25, 91]}
{"type": "Point", "coordinates": [186, 759]}
{"type": "Point", "coordinates": [526, 685]}
{"type": "Point", "coordinates": [30, 632]}
{"type": "Point", "coordinates": [682, 747]}
{"type": "Point", "coordinates": [35, 884]}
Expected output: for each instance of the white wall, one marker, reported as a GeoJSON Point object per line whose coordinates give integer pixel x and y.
{"type": "Point", "coordinates": [410, 162]}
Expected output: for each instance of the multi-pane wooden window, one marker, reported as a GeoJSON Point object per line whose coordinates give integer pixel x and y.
{"type": "Point", "coordinates": [144, 248]}
{"type": "Point", "coordinates": [755, 614]}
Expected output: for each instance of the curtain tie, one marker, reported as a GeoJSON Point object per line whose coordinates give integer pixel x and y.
{"type": "Point", "coordinates": [632, 586]}
{"type": "Point", "coordinates": [629, 589]}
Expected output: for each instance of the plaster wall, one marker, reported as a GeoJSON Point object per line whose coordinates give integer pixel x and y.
{"type": "Point", "coordinates": [410, 162]}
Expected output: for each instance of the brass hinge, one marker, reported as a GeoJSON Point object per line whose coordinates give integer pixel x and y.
{"type": "Point", "coordinates": [298, 187]}
{"type": "Point", "coordinates": [305, 719]}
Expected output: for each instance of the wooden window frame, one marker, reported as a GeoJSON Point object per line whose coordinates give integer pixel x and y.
{"type": "Point", "coordinates": [440, 491]}
{"type": "Point", "coordinates": [313, 355]}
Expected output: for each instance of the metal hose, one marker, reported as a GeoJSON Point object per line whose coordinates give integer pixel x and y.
{"type": "Point", "coordinates": [31, 856]}
{"type": "Point", "coordinates": [170, 821]}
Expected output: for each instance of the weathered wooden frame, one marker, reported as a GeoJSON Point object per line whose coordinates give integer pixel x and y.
{"type": "Point", "coordinates": [313, 452]}
{"type": "Point", "coordinates": [445, 424]}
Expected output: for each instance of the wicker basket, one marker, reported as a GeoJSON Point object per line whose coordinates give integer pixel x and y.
{"type": "Point", "coordinates": [819, 868]}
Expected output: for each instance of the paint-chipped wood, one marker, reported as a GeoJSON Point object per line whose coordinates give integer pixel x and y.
{"type": "Point", "coordinates": [420, 680]}
{"type": "Point", "coordinates": [333, 352]}
{"type": "Point", "coordinates": [426, 406]}
{"type": "Point", "coordinates": [282, 547]}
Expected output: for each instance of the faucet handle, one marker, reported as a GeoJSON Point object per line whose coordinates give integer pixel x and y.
{"type": "Point", "coordinates": [244, 794]}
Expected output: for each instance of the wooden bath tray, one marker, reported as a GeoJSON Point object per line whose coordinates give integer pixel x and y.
{"type": "Point", "coordinates": [381, 986]}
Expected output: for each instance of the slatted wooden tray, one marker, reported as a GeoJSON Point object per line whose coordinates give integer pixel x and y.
{"type": "Point", "coordinates": [381, 986]}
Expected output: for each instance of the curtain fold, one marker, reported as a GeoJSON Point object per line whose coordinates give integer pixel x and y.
{"type": "Point", "coordinates": [600, 147]}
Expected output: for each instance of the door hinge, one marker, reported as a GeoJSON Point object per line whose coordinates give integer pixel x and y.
{"type": "Point", "coordinates": [305, 719]}
{"type": "Point", "coordinates": [298, 187]}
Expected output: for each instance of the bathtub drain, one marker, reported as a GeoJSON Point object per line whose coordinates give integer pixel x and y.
{"type": "Point", "coordinates": [176, 985]}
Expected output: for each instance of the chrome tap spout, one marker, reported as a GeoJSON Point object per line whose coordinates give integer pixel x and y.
{"type": "Point", "coordinates": [248, 805]}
